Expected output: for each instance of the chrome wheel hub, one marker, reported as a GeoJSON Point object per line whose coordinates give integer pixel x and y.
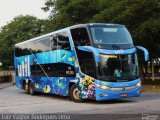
{"type": "Point", "coordinates": [76, 93]}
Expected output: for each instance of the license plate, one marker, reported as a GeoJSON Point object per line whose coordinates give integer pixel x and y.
{"type": "Point", "coordinates": [124, 95]}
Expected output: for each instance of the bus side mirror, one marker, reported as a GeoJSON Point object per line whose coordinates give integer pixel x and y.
{"type": "Point", "coordinates": [146, 53]}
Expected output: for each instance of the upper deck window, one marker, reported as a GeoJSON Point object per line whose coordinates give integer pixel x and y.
{"type": "Point", "coordinates": [54, 42]}
{"type": "Point", "coordinates": [80, 36]}
{"type": "Point", "coordinates": [111, 36]}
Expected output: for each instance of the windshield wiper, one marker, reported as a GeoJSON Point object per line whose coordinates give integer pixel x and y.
{"type": "Point", "coordinates": [115, 47]}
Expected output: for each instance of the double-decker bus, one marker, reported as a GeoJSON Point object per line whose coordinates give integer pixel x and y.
{"type": "Point", "coordinates": [86, 61]}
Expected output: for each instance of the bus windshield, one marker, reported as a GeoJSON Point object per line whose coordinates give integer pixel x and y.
{"type": "Point", "coordinates": [118, 67]}
{"type": "Point", "coordinates": [111, 36]}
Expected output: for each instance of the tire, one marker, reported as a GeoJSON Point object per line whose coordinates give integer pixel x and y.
{"type": "Point", "coordinates": [26, 87]}
{"type": "Point", "coordinates": [31, 90]}
{"type": "Point", "coordinates": [74, 95]}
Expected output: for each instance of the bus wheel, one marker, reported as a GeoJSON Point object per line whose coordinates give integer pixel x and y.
{"type": "Point", "coordinates": [26, 87]}
{"type": "Point", "coordinates": [74, 94]}
{"type": "Point", "coordinates": [31, 90]}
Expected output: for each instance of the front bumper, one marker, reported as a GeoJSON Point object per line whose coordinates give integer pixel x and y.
{"type": "Point", "coordinates": [111, 90]}
{"type": "Point", "coordinates": [110, 95]}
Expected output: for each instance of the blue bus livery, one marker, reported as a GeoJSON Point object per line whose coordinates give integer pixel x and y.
{"type": "Point", "coordinates": [87, 61]}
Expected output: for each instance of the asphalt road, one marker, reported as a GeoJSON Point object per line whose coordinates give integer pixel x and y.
{"type": "Point", "coordinates": [14, 100]}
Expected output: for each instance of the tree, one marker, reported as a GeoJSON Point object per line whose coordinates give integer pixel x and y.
{"type": "Point", "coordinates": [141, 17]}
{"type": "Point", "coordinates": [69, 12]}
{"type": "Point", "coordinates": [21, 28]}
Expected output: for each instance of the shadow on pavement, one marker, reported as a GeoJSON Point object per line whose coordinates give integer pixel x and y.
{"type": "Point", "coordinates": [150, 91]}
{"type": "Point", "coordinates": [66, 98]}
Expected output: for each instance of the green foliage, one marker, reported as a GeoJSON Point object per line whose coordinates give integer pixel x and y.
{"type": "Point", "coordinates": [69, 12]}
{"type": "Point", "coordinates": [19, 29]}
{"type": "Point", "coordinates": [141, 17]}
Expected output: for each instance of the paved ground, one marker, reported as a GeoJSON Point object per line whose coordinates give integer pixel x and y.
{"type": "Point", "coordinates": [14, 100]}
{"type": "Point", "coordinates": [5, 85]}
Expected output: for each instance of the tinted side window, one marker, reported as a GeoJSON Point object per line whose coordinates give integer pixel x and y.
{"type": "Point", "coordinates": [53, 70]}
{"type": "Point", "coordinates": [41, 45]}
{"type": "Point", "coordinates": [54, 42]}
{"type": "Point", "coordinates": [58, 41]}
{"type": "Point", "coordinates": [18, 51]}
{"type": "Point", "coordinates": [26, 49]}
{"type": "Point", "coordinates": [63, 41]}
{"type": "Point", "coordinates": [48, 44]}
{"type": "Point", "coordinates": [32, 47]}
{"type": "Point", "coordinates": [44, 45]}
{"type": "Point", "coordinates": [80, 36]}
{"type": "Point", "coordinates": [22, 50]}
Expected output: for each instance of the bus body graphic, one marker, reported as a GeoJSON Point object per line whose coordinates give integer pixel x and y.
{"type": "Point", "coordinates": [86, 61]}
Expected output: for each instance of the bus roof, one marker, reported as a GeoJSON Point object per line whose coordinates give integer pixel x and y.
{"type": "Point", "coordinates": [65, 29]}
{"type": "Point", "coordinates": [92, 24]}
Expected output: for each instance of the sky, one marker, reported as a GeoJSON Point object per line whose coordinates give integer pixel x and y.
{"type": "Point", "coordinates": [12, 8]}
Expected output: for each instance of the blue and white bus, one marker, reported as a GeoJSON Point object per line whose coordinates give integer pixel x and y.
{"type": "Point", "coordinates": [86, 61]}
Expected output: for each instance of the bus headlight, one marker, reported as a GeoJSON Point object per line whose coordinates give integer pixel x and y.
{"type": "Point", "coordinates": [102, 87]}
{"type": "Point", "coordinates": [138, 84]}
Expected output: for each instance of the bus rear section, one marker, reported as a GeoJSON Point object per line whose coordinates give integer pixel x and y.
{"type": "Point", "coordinates": [46, 64]}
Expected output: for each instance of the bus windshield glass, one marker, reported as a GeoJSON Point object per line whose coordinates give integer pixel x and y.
{"type": "Point", "coordinates": [118, 67]}
{"type": "Point", "coordinates": [111, 36]}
